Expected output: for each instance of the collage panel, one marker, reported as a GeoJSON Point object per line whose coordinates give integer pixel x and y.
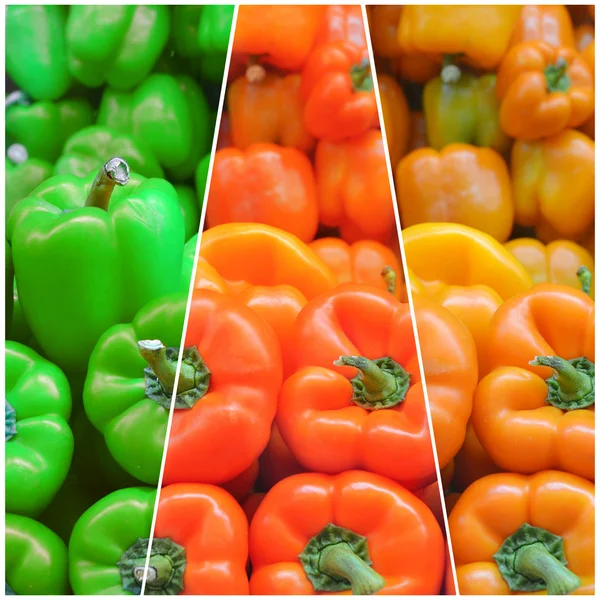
{"type": "Point", "coordinates": [489, 119]}
{"type": "Point", "coordinates": [109, 123]}
{"type": "Point", "coordinates": [310, 415]}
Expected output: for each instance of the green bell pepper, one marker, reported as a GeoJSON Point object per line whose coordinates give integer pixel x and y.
{"type": "Point", "coordinates": [9, 278]}
{"type": "Point", "coordinates": [105, 553]}
{"type": "Point", "coordinates": [201, 177]}
{"type": "Point", "coordinates": [188, 203]}
{"type": "Point", "coordinates": [19, 329]}
{"type": "Point", "coordinates": [44, 127]}
{"type": "Point", "coordinates": [89, 147]}
{"type": "Point", "coordinates": [124, 398]}
{"type": "Point", "coordinates": [22, 178]}
{"type": "Point", "coordinates": [39, 442]}
{"type": "Point", "coordinates": [169, 114]}
{"type": "Point", "coordinates": [36, 52]}
{"type": "Point", "coordinates": [83, 265]}
{"type": "Point", "coordinates": [187, 267]}
{"type": "Point", "coordinates": [201, 34]}
{"type": "Point", "coordinates": [36, 559]}
{"type": "Point", "coordinates": [118, 45]}
{"type": "Point", "coordinates": [460, 107]}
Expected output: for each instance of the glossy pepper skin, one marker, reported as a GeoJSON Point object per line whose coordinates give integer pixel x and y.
{"type": "Point", "coordinates": [264, 184]}
{"type": "Point", "coordinates": [460, 107]}
{"type": "Point", "coordinates": [36, 559]}
{"type": "Point", "coordinates": [277, 462]}
{"type": "Point", "coordinates": [39, 441]}
{"type": "Point", "coordinates": [169, 114]}
{"type": "Point", "coordinates": [544, 173]}
{"type": "Point", "coordinates": [281, 35]}
{"type": "Point", "coordinates": [244, 380]}
{"type": "Point", "coordinates": [36, 53]}
{"type": "Point", "coordinates": [303, 513]}
{"type": "Point", "coordinates": [543, 90]}
{"type": "Point", "coordinates": [461, 184]}
{"type": "Point", "coordinates": [241, 486]}
{"type": "Point", "coordinates": [44, 127]}
{"type": "Point", "coordinates": [383, 25]}
{"type": "Point", "coordinates": [396, 116]}
{"type": "Point", "coordinates": [548, 23]}
{"type": "Point", "coordinates": [118, 45]}
{"type": "Point", "coordinates": [328, 422]}
{"type": "Point", "coordinates": [496, 506]}
{"type": "Point", "coordinates": [212, 527]}
{"type": "Point", "coordinates": [480, 33]}
{"type": "Point", "coordinates": [353, 188]}
{"type": "Point", "coordinates": [362, 262]}
{"type": "Point", "coordinates": [337, 89]}
{"type": "Point", "coordinates": [466, 271]}
{"type": "Point", "coordinates": [21, 179]}
{"type": "Point", "coordinates": [342, 23]}
{"type": "Point", "coordinates": [123, 399]}
{"type": "Point", "coordinates": [93, 263]}
{"type": "Point", "coordinates": [99, 562]}
{"type": "Point", "coordinates": [557, 262]}
{"type": "Point", "coordinates": [267, 108]}
{"type": "Point", "coordinates": [89, 147]}
{"type": "Point", "coordinates": [190, 209]}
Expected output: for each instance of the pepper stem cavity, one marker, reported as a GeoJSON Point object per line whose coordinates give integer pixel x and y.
{"type": "Point", "coordinates": [389, 277]}
{"type": "Point", "coordinates": [572, 386]}
{"type": "Point", "coordinates": [337, 559]}
{"type": "Point", "coordinates": [194, 376]}
{"type": "Point", "coordinates": [585, 278]}
{"type": "Point", "coordinates": [557, 78]}
{"type": "Point", "coordinates": [10, 421]}
{"type": "Point", "coordinates": [380, 383]}
{"type": "Point", "coordinates": [361, 77]}
{"type": "Point", "coordinates": [533, 559]}
{"type": "Point", "coordinates": [114, 172]}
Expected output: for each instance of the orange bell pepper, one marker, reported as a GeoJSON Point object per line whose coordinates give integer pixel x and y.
{"type": "Point", "coordinates": [277, 462]}
{"type": "Point", "coordinates": [584, 35]}
{"type": "Point", "coordinates": [264, 184]}
{"type": "Point", "coordinates": [553, 184]}
{"type": "Point", "coordinates": [281, 35]}
{"type": "Point", "coordinates": [513, 534]}
{"type": "Point", "coordinates": [383, 26]}
{"type": "Point", "coordinates": [338, 94]}
{"type": "Point", "coordinates": [212, 529]}
{"type": "Point", "coordinates": [547, 23]}
{"type": "Point", "coordinates": [449, 585]}
{"type": "Point", "coordinates": [460, 184]}
{"type": "Point", "coordinates": [355, 399]}
{"type": "Point", "coordinates": [365, 262]}
{"type": "Point", "coordinates": [353, 188]}
{"type": "Point", "coordinates": [356, 531]}
{"type": "Point", "coordinates": [464, 270]}
{"type": "Point", "coordinates": [430, 495]}
{"type": "Point", "coordinates": [396, 116]}
{"type": "Point", "coordinates": [267, 108]}
{"type": "Point", "coordinates": [584, 38]}
{"type": "Point", "coordinates": [472, 462]}
{"type": "Point", "coordinates": [480, 33]}
{"type": "Point", "coordinates": [243, 374]}
{"type": "Point", "coordinates": [592, 11]}
{"type": "Point", "coordinates": [251, 504]}
{"type": "Point", "coordinates": [558, 262]}
{"type": "Point", "coordinates": [543, 90]}
{"type": "Point", "coordinates": [343, 23]}
{"type": "Point", "coordinates": [241, 487]}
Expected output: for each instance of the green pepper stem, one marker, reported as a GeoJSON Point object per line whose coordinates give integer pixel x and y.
{"type": "Point", "coordinates": [389, 277]}
{"type": "Point", "coordinates": [160, 570]}
{"type": "Point", "coordinates": [378, 383]}
{"type": "Point", "coordinates": [573, 384]}
{"type": "Point", "coordinates": [10, 421]}
{"type": "Point", "coordinates": [360, 75]}
{"type": "Point", "coordinates": [585, 278]}
{"type": "Point", "coordinates": [535, 562]}
{"type": "Point", "coordinates": [557, 78]}
{"type": "Point", "coordinates": [340, 561]}
{"type": "Point", "coordinates": [114, 172]}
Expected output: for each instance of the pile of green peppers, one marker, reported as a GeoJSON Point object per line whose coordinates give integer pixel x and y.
{"type": "Point", "coordinates": [109, 128]}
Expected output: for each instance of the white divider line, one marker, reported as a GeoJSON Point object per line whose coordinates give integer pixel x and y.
{"type": "Point", "coordinates": [408, 290]}
{"type": "Point", "coordinates": [191, 290]}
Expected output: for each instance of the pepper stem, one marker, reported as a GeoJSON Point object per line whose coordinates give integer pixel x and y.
{"type": "Point", "coordinates": [572, 385]}
{"type": "Point", "coordinates": [160, 570]}
{"type": "Point", "coordinates": [360, 75]}
{"type": "Point", "coordinates": [10, 421]}
{"type": "Point", "coordinates": [114, 172]}
{"type": "Point", "coordinates": [380, 383]}
{"type": "Point", "coordinates": [340, 561]}
{"type": "Point", "coordinates": [585, 278]}
{"type": "Point", "coordinates": [17, 154]}
{"type": "Point", "coordinates": [450, 72]}
{"type": "Point", "coordinates": [255, 72]}
{"type": "Point", "coordinates": [389, 277]}
{"type": "Point", "coordinates": [557, 78]}
{"type": "Point", "coordinates": [535, 562]}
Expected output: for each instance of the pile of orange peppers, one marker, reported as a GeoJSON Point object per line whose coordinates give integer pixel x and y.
{"type": "Point", "coordinates": [489, 118]}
